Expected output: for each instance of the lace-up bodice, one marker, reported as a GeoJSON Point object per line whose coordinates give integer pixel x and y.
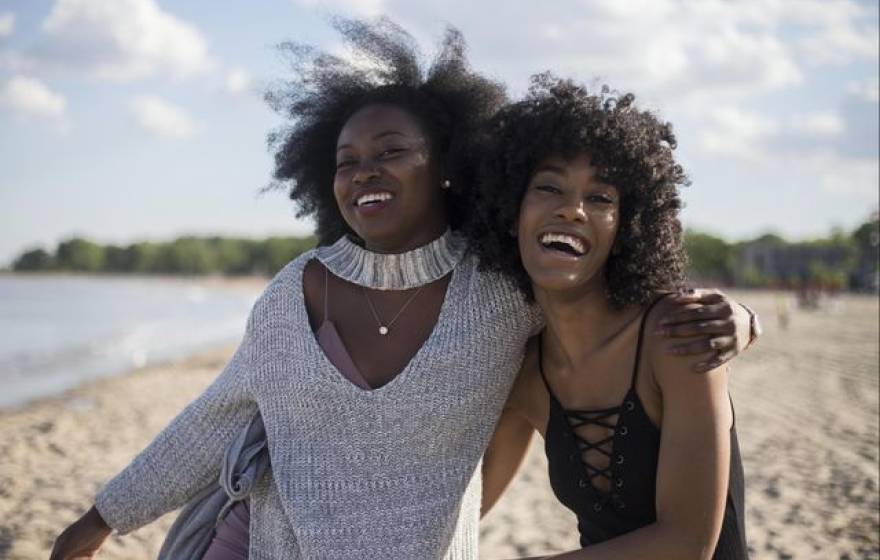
{"type": "Point", "coordinates": [603, 467]}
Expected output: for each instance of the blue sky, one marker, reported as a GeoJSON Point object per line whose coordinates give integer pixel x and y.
{"type": "Point", "coordinates": [123, 120]}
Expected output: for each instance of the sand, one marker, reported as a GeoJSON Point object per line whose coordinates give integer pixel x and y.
{"type": "Point", "coordinates": [807, 415]}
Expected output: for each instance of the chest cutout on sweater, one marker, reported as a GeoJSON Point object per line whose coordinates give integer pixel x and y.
{"type": "Point", "coordinates": [358, 313]}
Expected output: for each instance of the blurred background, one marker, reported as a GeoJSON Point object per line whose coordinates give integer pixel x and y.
{"type": "Point", "coordinates": [134, 235]}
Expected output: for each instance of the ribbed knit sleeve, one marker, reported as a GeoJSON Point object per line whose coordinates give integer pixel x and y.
{"type": "Point", "coordinates": [186, 456]}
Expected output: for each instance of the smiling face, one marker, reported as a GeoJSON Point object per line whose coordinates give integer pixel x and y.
{"type": "Point", "coordinates": [567, 225]}
{"type": "Point", "coordinates": [387, 181]}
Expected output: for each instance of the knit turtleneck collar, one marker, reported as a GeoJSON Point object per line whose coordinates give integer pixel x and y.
{"type": "Point", "coordinates": [393, 271]}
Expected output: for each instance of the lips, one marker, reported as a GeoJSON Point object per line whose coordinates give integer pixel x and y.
{"type": "Point", "coordinates": [564, 243]}
{"type": "Point", "coordinates": [372, 201]}
{"type": "Point", "coordinates": [373, 197]}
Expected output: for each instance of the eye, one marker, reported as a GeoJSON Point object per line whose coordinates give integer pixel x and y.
{"type": "Point", "coordinates": [548, 189]}
{"type": "Point", "coordinates": [345, 163]}
{"type": "Point", "coordinates": [600, 199]}
{"type": "Point", "coordinates": [390, 152]}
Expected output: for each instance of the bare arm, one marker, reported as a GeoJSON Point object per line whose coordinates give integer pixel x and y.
{"type": "Point", "coordinates": [505, 455]}
{"type": "Point", "coordinates": [692, 470]}
{"type": "Point", "coordinates": [512, 436]}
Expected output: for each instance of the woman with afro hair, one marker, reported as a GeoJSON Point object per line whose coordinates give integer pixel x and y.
{"type": "Point", "coordinates": [578, 204]}
{"type": "Point", "coordinates": [376, 364]}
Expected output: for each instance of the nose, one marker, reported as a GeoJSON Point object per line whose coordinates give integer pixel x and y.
{"type": "Point", "coordinates": [365, 173]}
{"type": "Point", "coordinates": [572, 211]}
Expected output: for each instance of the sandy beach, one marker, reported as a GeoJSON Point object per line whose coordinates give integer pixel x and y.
{"type": "Point", "coordinates": [806, 402]}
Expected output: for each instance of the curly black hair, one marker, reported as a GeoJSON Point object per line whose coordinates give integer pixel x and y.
{"type": "Point", "coordinates": [448, 99]}
{"type": "Point", "coordinates": [632, 149]}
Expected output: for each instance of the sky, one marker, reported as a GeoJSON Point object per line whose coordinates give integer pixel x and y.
{"type": "Point", "coordinates": [126, 120]}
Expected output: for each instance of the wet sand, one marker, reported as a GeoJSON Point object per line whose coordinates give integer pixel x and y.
{"type": "Point", "coordinates": [807, 415]}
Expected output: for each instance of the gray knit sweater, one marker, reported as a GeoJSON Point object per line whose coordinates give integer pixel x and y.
{"type": "Point", "coordinates": [390, 473]}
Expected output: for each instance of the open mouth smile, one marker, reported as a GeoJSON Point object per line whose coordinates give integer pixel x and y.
{"type": "Point", "coordinates": [565, 244]}
{"type": "Point", "coordinates": [373, 199]}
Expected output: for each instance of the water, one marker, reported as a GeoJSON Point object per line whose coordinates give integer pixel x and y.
{"type": "Point", "coordinates": [56, 332]}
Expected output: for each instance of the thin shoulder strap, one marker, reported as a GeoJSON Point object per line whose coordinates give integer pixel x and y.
{"type": "Point", "coordinates": [325, 318]}
{"type": "Point", "coordinates": [541, 364]}
{"type": "Point", "coordinates": [635, 372]}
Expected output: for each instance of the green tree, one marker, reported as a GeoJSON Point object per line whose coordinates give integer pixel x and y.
{"type": "Point", "coordinates": [233, 256]}
{"type": "Point", "coordinates": [711, 258]}
{"type": "Point", "coordinates": [189, 255]}
{"type": "Point", "coordinates": [80, 255]}
{"type": "Point", "coordinates": [144, 257]}
{"type": "Point", "coordinates": [117, 259]}
{"type": "Point", "coordinates": [278, 251]}
{"type": "Point", "coordinates": [34, 260]}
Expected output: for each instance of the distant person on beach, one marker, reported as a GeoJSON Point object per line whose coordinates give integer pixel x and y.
{"type": "Point", "coordinates": [579, 203]}
{"type": "Point", "coordinates": [379, 363]}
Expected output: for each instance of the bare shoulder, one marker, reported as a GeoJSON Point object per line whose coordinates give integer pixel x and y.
{"type": "Point", "coordinates": [654, 343]}
{"type": "Point", "coordinates": [313, 275]}
{"type": "Point", "coordinates": [313, 288]}
{"type": "Point", "coordinates": [664, 305]}
{"type": "Point", "coordinates": [672, 373]}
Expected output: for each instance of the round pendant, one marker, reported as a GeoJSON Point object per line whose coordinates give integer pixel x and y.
{"type": "Point", "coordinates": [383, 330]}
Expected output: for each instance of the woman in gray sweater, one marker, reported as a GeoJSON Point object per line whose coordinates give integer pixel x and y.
{"type": "Point", "coordinates": [380, 361]}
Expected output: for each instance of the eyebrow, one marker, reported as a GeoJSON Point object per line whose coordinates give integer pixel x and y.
{"type": "Point", "coordinates": [552, 168]}
{"type": "Point", "coordinates": [376, 137]}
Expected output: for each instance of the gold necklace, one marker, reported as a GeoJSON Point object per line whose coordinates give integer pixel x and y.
{"type": "Point", "coordinates": [385, 329]}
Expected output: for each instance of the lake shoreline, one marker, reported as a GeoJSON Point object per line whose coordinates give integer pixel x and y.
{"type": "Point", "coordinates": [61, 330]}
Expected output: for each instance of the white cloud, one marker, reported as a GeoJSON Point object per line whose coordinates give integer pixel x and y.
{"type": "Point", "coordinates": [661, 48]}
{"type": "Point", "coordinates": [7, 24]}
{"type": "Point", "coordinates": [238, 82]}
{"type": "Point", "coordinates": [32, 97]}
{"type": "Point", "coordinates": [868, 90]}
{"type": "Point", "coordinates": [737, 133]}
{"type": "Point", "coordinates": [848, 176]}
{"type": "Point", "coordinates": [824, 124]}
{"type": "Point", "coordinates": [160, 117]}
{"type": "Point", "coordinates": [836, 31]}
{"type": "Point", "coordinates": [656, 47]}
{"type": "Point", "coordinates": [120, 40]}
{"type": "Point", "coordinates": [350, 7]}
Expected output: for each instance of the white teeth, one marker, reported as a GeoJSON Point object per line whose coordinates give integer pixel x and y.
{"type": "Point", "coordinates": [576, 244]}
{"type": "Point", "coordinates": [373, 197]}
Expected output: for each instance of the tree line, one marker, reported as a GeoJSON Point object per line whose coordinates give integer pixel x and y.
{"type": "Point", "coordinates": [842, 260]}
{"type": "Point", "coordinates": [185, 255]}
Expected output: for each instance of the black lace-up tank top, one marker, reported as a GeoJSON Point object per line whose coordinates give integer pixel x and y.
{"type": "Point", "coordinates": [615, 494]}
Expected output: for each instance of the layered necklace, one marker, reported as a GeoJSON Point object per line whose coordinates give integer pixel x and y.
{"type": "Point", "coordinates": [392, 271]}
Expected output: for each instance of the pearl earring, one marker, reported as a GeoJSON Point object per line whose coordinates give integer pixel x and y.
{"type": "Point", "coordinates": [446, 184]}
